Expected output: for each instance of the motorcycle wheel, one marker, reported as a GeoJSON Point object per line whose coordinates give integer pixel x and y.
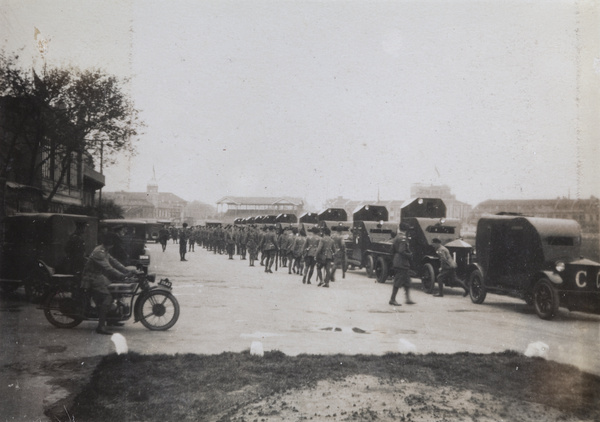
{"type": "Point", "coordinates": [62, 310]}
{"type": "Point", "coordinates": [159, 310]}
{"type": "Point", "coordinates": [36, 285]}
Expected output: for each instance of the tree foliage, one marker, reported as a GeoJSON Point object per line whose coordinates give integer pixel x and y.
{"type": "Point", "coordinates": [59, 115]}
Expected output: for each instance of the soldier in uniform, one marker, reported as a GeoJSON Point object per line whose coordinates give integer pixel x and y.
{"type": "Point", "coordinates": [230, 241]}
{"type": "Point", "coordinates": [96, 273]}
{"type": "Point", "coordinates": [174, 234]}
{"type": "Point", "coordinates": [299, 243]}
{"type": "Point", "coordinates": [269, 246]}
{"type": "Point", "coordinates": [163, 237]}
{"type": "Point", "coordinates": [291, 240]}
{"type": "Point", "coordinates": [183, 237]}
{"type": "Point", "coordinates": [252, 241]}
{"type": "Point", "coordinates": [261, 236]}
{"type": "Point", "coordinates": [401, 263]}
{"type": "Point", "coordinates": [339, 259]}
{"type": "Point", "coordinates": [310, 254]}
{"type": "Point", "coordinates": [325, 252]}
{"type": "Point", "coordinates": [448, 268]}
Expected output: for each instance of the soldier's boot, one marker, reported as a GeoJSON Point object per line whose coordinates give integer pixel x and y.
{"type": "Point", "coordinates": [102, 311]}
{"type": "Point", "coordinates": [393, 298]}
{"type": "Point", "coordinates": [407, 295]}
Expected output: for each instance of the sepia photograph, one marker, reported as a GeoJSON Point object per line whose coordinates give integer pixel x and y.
{"type": "Point", "coordinates": [293, 210]}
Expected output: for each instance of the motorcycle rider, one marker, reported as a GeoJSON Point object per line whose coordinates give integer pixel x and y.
{"type": "Point", "coordinates": [96, 272]}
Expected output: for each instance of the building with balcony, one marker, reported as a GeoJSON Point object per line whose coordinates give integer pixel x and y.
{"type": "Point", "coordinates": [32, 177]}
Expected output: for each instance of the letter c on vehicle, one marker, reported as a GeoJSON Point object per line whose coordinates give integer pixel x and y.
{"type": "Point", "coordinates": [581, 278]}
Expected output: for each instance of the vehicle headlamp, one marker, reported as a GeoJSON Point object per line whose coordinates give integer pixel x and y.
{"type": "Point", "coordinates": [559, 266]}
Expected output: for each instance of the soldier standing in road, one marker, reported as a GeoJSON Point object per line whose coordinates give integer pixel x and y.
{"type": "Point", "coordinates": [261, 236]}
{"type": "Point", "coordinates": [310, 254]}
{"type": "Point", "coordinates": [339, 260]}
{"type": "Point", "coordinates": [447, 268]}
{"type": "Point", "coordinates": [401, 264]}
{"type": "Point", "coordinates": [252, 242]}
{"type": "Point", "coordinates": [230, 241]}
{"type": "Point", "coordinates": [325, 252]}
{"type": "Point", "coordinates": [183, 237]}
{"type": "Point", "coordinates": [163, 237]}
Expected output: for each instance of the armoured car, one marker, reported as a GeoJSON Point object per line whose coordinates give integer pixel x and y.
{"type": "Point", "coordinates": [536, 259]}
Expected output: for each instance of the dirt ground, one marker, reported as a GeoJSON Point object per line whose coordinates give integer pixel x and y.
{"type": "Point", "coordinates": [368, 398]}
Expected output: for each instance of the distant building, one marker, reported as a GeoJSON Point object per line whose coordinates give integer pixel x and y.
{"type": "Point", "coordinates": [585, 211]}
{"type": "Point", "coordinates": [231, 207]}
{"type": "Point", "coordinates": [151, 204]}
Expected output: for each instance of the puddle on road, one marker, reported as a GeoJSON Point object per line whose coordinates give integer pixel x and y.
{"type": "Point", "coordinates": [463, 310]}
{"type": "Point", "coordinates": [391, 311]}
{"type": "Point", "coordinates": [345, 329]}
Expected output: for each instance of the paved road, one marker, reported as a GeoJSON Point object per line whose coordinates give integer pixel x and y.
{"type": "Point", "coordinates": [226, 305]}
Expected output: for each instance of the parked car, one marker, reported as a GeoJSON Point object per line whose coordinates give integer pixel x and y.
{"type": "Point", "coordinates": [536, 259]}
{"type": "Point", "coordinates": [133, 235]}
{"type": "Point", "coordinates": [33, 248]}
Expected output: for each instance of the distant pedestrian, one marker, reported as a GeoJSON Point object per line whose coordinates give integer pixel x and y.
{"type": "Point", "coordinates": [163, 237]}
{"type": "Point", "coordinates": [183, 237]}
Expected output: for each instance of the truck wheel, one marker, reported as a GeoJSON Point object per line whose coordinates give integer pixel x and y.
{"type": "Point", "coordinates": [381, 270]}
{"type": "Point", "coordinates": [476, 287]}
{"type": "Point", "coordinates": [545, 299]}
{"type": "Point", "coordinates": [370, 267]}
{"type": "Point", "coordinates": [428, 278]}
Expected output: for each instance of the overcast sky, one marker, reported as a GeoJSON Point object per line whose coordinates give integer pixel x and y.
{"type": "Point", "coordinates": [497, 99]}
